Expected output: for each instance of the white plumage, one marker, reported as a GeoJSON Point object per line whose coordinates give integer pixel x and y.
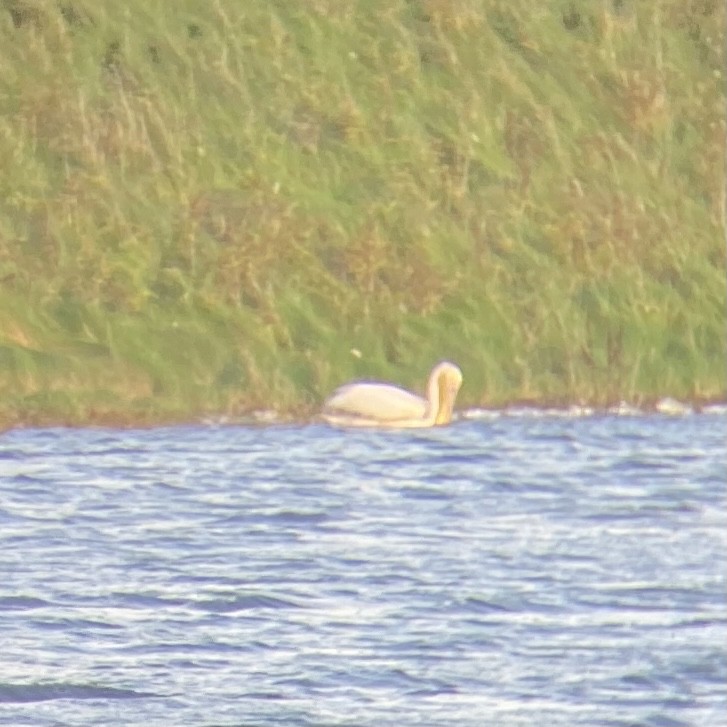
{"type": "Point", "coordinates": [373, 404]}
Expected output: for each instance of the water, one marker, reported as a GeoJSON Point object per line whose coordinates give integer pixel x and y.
{"type": "Point", "coordinates": [511, 571]}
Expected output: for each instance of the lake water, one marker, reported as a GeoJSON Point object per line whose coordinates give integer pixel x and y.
{"type": "Point", "coordinates": [511, 570]}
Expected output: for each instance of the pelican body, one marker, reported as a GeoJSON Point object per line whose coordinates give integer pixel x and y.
{"type": "Point", "coordinates": [374, 404]}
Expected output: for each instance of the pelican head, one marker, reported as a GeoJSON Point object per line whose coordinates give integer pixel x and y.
{"type": "Point", "coordinates": [442, 388]}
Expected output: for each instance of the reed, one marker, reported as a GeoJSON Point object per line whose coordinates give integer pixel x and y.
{"type": "Point", "coordinates": [213, 207]}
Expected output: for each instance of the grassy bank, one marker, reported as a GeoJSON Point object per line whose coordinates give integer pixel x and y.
{"type": "Point", "coordinates": [211, 207]}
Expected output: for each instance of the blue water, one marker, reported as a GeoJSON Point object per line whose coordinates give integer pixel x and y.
{"type": "Point", "coordinates": [511, 571]}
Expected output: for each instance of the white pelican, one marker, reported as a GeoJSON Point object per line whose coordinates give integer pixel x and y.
{"type": "Point", "coordinates": [373, 404]}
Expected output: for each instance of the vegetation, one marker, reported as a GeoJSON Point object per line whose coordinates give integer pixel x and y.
{"type": "Point", "coordinates": [212, 206]}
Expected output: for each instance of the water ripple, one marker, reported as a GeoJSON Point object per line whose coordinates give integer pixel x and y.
{"type": "Point", "coordinates": [566, 570]}
{"type": "Point", "coordinates": [45, 692]}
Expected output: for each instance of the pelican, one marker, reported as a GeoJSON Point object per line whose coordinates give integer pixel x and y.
{"type": "Point", "coordinates": [374, 404]}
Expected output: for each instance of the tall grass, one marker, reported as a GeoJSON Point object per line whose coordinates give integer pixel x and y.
{"type": "Point", "coordinates": [221, 206]}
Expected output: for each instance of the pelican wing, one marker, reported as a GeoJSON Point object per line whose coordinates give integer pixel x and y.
{"type": "Point", "coordinates": [377, 402]}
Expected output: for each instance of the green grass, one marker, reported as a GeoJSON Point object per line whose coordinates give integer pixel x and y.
{"type": "Point", "coordinates": [213, 207]}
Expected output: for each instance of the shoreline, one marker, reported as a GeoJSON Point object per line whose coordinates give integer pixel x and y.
{"type": "Point", "coordinates": [664, 406]}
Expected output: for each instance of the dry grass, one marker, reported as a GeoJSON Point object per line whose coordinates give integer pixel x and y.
{"type": "Point", "coordinates": [207, 210]}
